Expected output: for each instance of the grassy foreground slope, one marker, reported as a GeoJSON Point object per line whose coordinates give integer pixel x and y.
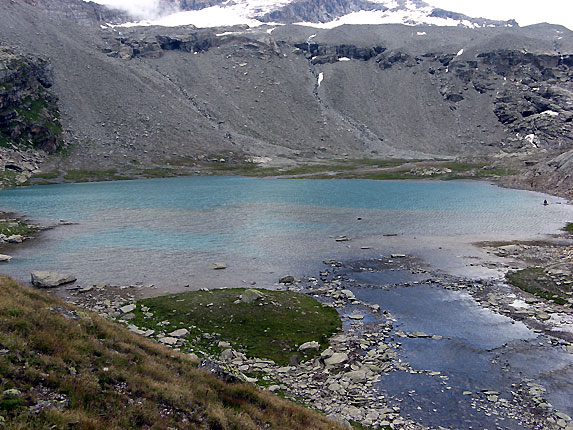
{"type": "Point", "coordinates": [62, 368]}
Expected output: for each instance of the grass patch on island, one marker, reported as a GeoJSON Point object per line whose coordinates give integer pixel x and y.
{"type": "Point", "coordinates": [10, 228]}
{"type": "Point", "coordinates": [543, 282]}
{"type": "Point", "coordinates": [272, 326]}
{"type": "Point", "coordinates": [569, 227]}
{"type": "Point", "coordinates": [62, 368]}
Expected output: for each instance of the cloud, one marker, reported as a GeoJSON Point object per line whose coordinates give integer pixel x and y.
{"type": "Point", "coordinates": [141, 9]}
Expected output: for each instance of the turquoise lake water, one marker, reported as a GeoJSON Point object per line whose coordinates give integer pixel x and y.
{"type": "Point", "coordinates": [167, 231]}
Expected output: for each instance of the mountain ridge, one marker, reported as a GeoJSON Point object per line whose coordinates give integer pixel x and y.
{"type": "Point", "coordinates": [163, 96]}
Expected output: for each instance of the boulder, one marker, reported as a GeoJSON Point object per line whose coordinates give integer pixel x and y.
{"type": "Point", "coordinates": [168, 340]}
{"type": "Point", "coordinates": [250, 295]}
{"type": "Point", "coordinates": [308, 346]}
{"type": "Point", "coordinates": [15, 238]}
{"type": "Point", "coordinates": [336, 359]}
{"type": "Point", "coordinates": [50, 279]}
{"type": "Point", "coordinates": [5, 257]}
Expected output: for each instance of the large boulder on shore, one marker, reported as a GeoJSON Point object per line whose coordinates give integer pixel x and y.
{"type": "Point", "coordinates": [50, 279]}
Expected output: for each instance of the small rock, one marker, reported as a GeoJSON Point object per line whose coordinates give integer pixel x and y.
{"type": "Point", "coordinates": [274, 388]}
{"type": "Point", "coordinates": [127, 308]}
{"type": "Point", "coordinates": [179, 333]}
{"type": "Point", "coordinates": [398, 255]}
{"type": "Point", "coordinates": [217, 266]}
{"type": "Point", "coordinates": [168, 340]}
{"type": "Point", "coordinates": [5, 258]}
{"type": "Point", "coordinates": [15, 238]}
{"type": "Point", "coordinates": [356, 317]}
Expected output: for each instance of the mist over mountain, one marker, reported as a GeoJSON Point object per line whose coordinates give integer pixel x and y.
{"type": "Point", "coordinates": [444, 85]}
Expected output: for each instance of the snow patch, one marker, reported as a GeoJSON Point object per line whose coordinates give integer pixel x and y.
{"type": "Point", "coordinates": [320, 78]}
{"type": "Point", "coordinates": [410, 16]}
{"type": "Point", "coordinates": [550, 113]}
{"type": "Point", "coordinates": [460, 52]}
{"type": "Point", "coordinates": [532, 139]}
{"type": "Point", "coordinates": [228, 14]}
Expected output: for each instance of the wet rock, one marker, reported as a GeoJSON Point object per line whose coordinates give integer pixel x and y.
{"type": "Point", "coordinates": [4, 257]}
{"type": "Point", "coordinates": [356, 317]}
{"type": "Point", "coordinates": [15, 238]}
{"type": "Point", "coordinates": [50, 279]}
{"type": "Point", "coordinates": [286, 280]}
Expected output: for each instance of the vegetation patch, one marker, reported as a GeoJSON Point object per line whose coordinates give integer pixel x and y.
{"type": "Point", "coordinates": [548, 283]}
{"type": "Point", "coordinates": [9, 228]}
{"type": "Point", "coordinates": [272, 326]}
{"type": "Point", "coordinates": [93, 175]}
{"type": "Point", "coordinates": [62, 368]}
{"type": "Point", "coordinates": [568, 227]}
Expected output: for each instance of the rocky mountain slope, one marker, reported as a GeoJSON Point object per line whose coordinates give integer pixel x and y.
{"type": "Point", "coordinates": [158, 95]}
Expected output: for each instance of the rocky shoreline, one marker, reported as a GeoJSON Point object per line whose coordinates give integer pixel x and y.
{"type": "Point", "coordinates": [343, 380]}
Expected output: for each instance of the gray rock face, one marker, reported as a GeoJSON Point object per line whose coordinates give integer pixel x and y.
{"type": "Point", "coordinates": [50, 279]}
{"type": "Point", "coordinates": [23, 88]}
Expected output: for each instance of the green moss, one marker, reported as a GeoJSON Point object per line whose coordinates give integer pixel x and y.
{"type": "Point", "coordinates": [157, 172]}
{"type": "Point", "coordinates": [92, 175]}
{"type": "Point", "coordinates": [47, 175]}
{"type": "Point", "coordinates": [272, 327]}
{"type": "Point", "coordinates": [10, 228]}
{"type": "Point", "coordinates": [568, 227]}
{"type": "Point", "coordinates": [535, 280]}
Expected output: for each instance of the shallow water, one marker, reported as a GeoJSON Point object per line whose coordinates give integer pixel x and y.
{"type": "Point", "coordinates": [167, 231]}
{"type": "Point", "coordinates": [480, 350]}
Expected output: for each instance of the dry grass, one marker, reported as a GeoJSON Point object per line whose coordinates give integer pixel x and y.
{"type": "Point", "coordinates": [101, 376]}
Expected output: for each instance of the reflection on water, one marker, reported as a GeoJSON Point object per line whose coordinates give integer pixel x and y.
{"type": "Point", "coordinates": [478, 350]}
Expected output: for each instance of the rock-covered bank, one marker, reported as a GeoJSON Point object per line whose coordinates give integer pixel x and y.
{"type": "Point", "coordinates": [343, 380]}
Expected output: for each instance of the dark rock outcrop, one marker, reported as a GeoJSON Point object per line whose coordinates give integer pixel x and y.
{"type": "Point", "coordinates": [28, 111]}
